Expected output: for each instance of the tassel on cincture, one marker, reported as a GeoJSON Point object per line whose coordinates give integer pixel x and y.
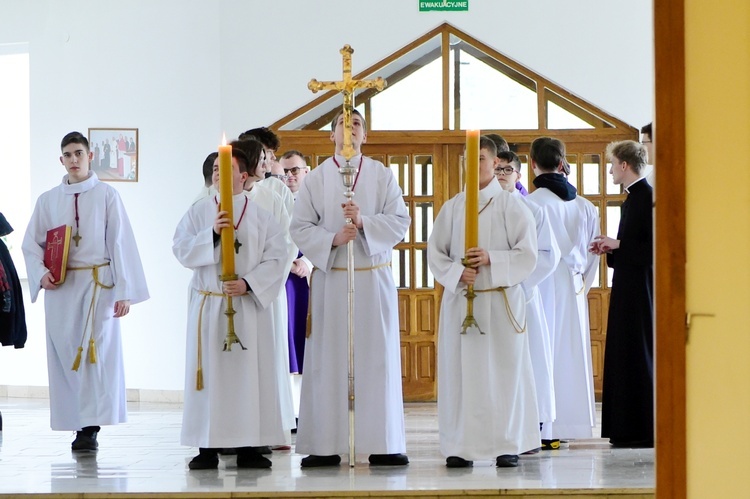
{"type": "Point", "coordinates": [77, 362]}
{"type": "Point", "coordinates": [92, 351]}
{"type": "Point", "coordinates": [199, 379]}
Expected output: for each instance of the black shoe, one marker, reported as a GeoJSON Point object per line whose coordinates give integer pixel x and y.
{"type": "Point", "coordinates": [551, 444]}
{"type": "Point", "coordinates": [263, 449]}
{"type": "Point", "coordinates": [458, 462]}
{"type": "Point", "coordinates": [207, 459]}
{"type": "Point", "coordinates": [507, 461]}
{"type": "Point", "coordinates": [228, 451]}
{"type": "Point", "coordinates": [249, 457]}
{"type": "Point", "coordinates": [388, 460]}
{"type": "Point", "coordinates": [85, 441]}
{"type": "Point", "coordinates": [313, 461]}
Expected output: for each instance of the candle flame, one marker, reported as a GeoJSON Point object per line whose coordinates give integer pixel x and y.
{"type": "Point", "coordinates": [223, 138]}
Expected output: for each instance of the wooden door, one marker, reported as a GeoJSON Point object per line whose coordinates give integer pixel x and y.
{"type": "Point", "coordinates": [421, 172]}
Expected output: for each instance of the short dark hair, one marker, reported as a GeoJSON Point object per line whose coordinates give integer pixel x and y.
{"type": "Point", "coordinates": [631, 152]}
{"type": "Point", "coordinates": [489, 144]}
{"type": "Point", "coordinates": [341, 111]}
{"type": "Point", "coordinates": [500, 143]}
{"type": "Point", "coordinates": [251, 149]}
{"type": "Point", "coordinates": [547, 153]}
{"type": "Point", "coordinates": [293, 152]}
{"type": "Point", "coordinates": [208, 167]}
{"type": "Point", "coordinates": [512, 159]}
{"type": "Point", "coordinates": [648, 130]}
{"type": "Point", "coordinates": [242, 161]}
{"type": "Point", "coordinates": [264, 135]}
{"type": "Point", "coordinates": [75, 138]}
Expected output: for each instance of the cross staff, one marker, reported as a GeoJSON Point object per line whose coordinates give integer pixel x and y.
{"type": "Point", "coordinates": [347, 86]}
{"type": "Point", "coordinates": [348, 172]}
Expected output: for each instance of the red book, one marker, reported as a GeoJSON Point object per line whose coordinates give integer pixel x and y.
{"type": "Point", "coordinates": [56, 252]}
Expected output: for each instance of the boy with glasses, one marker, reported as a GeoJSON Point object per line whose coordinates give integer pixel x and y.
{"type": "Point", "coordinates": [508, 174]}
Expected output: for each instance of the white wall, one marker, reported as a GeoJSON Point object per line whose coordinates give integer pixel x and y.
{"type": "Point", "coordinates": [182, 71]}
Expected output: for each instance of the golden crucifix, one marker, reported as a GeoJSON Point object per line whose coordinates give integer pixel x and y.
{"type": "Point", "coordinates": [347, 86]}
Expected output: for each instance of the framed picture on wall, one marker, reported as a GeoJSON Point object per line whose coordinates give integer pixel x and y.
{"type": "Point", "coordinates": [115, 153]}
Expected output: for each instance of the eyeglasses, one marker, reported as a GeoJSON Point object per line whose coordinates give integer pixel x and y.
{"type": "Point", "coordinates": [505, 170]}
{"type": "Point", "coordinates": [645, 142]}
{"type": "Point", "coordinates": [294, 170]}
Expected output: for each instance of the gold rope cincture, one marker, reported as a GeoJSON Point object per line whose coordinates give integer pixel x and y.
{"type": "Point", "coordinates": [338, 269]}
{"type": "Point", "coordinates": [513, 321]}
{"type": "Point", "coordinates": [583, 287]}
{"type": "Point", "coordinates": [199, 371]}
{"type": "Point", "coordinates": [90, 316]}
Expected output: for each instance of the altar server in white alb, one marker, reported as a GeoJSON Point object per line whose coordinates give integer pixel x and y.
{"type": "Point", "coordinates": [508, 173]}
{"type": "Point", "coordinates": [486, 396]}
{"type": "Point", "coordinates": [380, 221]}
{"type": "Point", "coordinates": [574, 222]}
{"type": "Point", "coordinates": [104, 278]}
{"type": "Point", "coordinates": [268, 199]}
{"type": "Point", "coordinates": [237, 403]}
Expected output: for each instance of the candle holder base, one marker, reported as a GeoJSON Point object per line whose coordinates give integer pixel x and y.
{"type": "Point", "coordinates": [231, 337]}
{"type": "Point", "coordinates": [469, 320]}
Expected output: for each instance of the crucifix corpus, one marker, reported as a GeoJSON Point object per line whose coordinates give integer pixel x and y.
{"type": "Point", "coordinates": [347, 87]}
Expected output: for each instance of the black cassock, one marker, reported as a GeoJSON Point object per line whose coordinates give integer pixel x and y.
{"type": "Point", "coordinates": [628, 392]}
{"type": "Point", "coordinates": [12, 314]}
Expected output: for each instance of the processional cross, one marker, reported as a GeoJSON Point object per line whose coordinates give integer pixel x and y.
{"type": "Point", "coordinates": [348, 172]}
{"type": "Point", "coordinates": [347, 86]}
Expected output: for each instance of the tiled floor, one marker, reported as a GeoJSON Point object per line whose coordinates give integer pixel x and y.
{"type": "Point", "coordinates": [145, 456]}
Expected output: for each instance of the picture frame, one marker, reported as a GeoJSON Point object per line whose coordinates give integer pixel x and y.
{"type": "Point", "coordinates": [115, 153]}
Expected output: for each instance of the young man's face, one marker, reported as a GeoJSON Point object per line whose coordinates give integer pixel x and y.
{"type": "Point", "coordinates": [507, 180]}
{"type": "Point", "coordinates": [295, 169]}
{"type": "Point", "coordinates": [75, 158]}
{"type": "Point", "coordinates": [487, 163]}
{"type": "Point", "coordinates": [270, 153]}
{"type": "Point", "coordinates": [238, 179]}
{"type": "Point", "coordinates": [359, 135]}
{"type": "Point", "coordinates": [617, 170]}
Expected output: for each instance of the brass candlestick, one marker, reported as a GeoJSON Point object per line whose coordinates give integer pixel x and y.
{"type": "Point", "coordinates": [469, 320]}
{"type": "Point", "coordinates": [231, 337]}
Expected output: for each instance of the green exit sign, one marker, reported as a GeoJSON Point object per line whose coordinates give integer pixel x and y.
{"type": "Point", "coordinates": [453, 5]}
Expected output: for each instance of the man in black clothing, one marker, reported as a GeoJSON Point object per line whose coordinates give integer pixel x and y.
{"type": "Point", "coordinates": [628, 392]}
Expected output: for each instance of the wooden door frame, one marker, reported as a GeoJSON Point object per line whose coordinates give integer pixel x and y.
{"type": "Point", "coordinates": [671, 434]}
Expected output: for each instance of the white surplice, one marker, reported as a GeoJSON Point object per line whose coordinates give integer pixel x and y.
{"type": "Point", "coordinates": [95, 394]}
{"type": "Point", "coordinates": [575, 224]}
{"type": "Point", "coordinates": [279, 187]}
{"type": "Point", "coordinates": [271, 201]}
{"type": "Point", "coordinates": [540, 342]}
{"type": "Point", "coordinates": [239, 404]}
{"type": "Point", "coordinates": [486, 395]}
{"type": "Point", "coordinates": [379, 416]}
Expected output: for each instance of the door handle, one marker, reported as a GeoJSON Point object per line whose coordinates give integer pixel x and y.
{"type": "Point", "coordinates": [689, 321]}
